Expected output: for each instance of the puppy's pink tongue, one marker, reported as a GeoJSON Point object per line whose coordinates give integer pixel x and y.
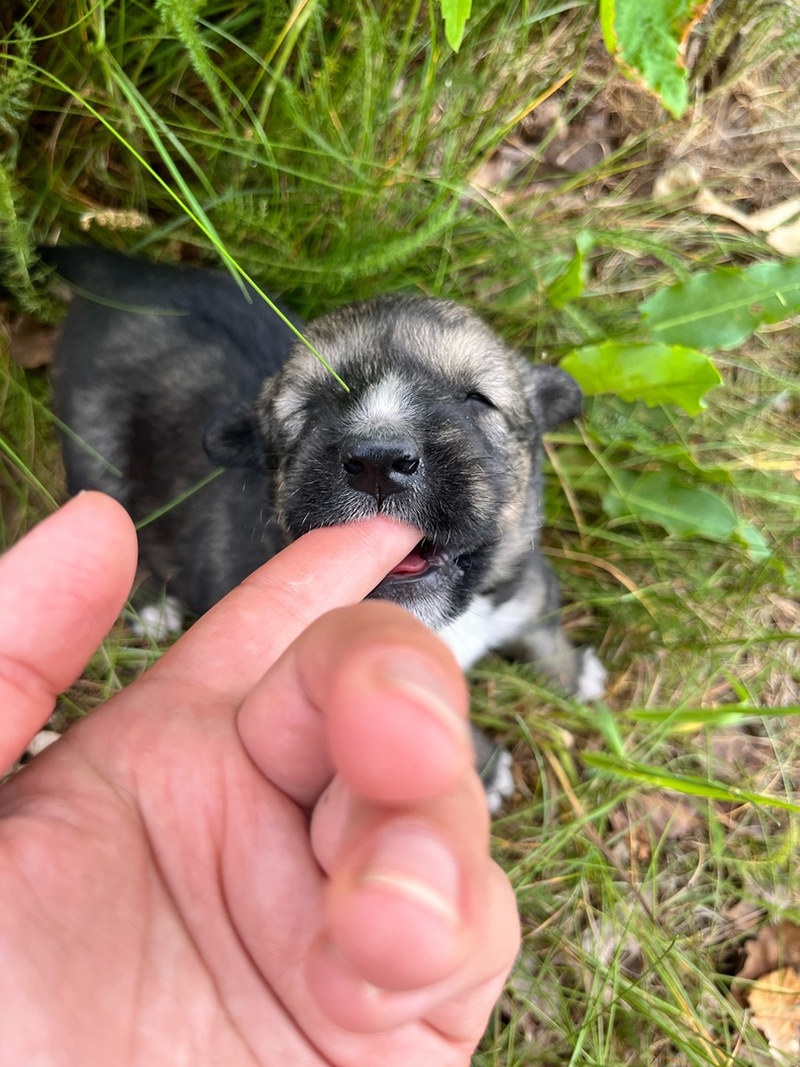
{"type": "Point", "coordinates": [412, 564]}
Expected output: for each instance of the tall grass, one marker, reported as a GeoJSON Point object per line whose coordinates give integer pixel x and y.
{"type": "Point", "coordinates": [339, 150]}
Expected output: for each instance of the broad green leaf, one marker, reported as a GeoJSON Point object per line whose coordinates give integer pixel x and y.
{"type": "Point", "coordinates": [646, 39]}
{"type": "Point", "coordinates": [455, 14]}
{"type": "Point", "coordinates": [568, 285]}
{"type": "Point", "coordinates": [662, 497]}
{"type": "Point", "coordinates": [654, 373]}
{"type": "Point", "coordinates": [721, 308]}
{"type": "Point", "coordinates": [757, 548]}
{"type": "Point", "coordinates": [689, 784]}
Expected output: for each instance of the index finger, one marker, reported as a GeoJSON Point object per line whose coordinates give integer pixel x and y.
{"type": "Point", "coordinates": [231, 646]}
{"type": "Point", "coordinates": [61, 587]}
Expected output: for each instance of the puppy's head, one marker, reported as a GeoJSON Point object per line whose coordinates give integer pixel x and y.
{"type": "Point", "coordinates": [440, 430]}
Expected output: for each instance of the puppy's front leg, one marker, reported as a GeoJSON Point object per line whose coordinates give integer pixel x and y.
{"type": "Point", "coordinates": [539, 639]}
{"type": "Point", "coordinates": [577, 671]}
{"type": "Point", "coordinates": [493, 763]}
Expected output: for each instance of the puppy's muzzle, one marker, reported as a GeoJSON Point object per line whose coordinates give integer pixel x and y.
{"type": "Point", "coordinates": [381, 468]}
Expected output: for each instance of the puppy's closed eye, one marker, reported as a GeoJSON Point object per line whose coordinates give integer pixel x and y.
{"type": "Point", "coordinates": [476, 397]}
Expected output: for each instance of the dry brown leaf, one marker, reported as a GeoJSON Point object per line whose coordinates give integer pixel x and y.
{"type": "Point", "coordinates": [709, 203]}
{"type": "Point", "coordinates": [776, 947]}
{"type": "Point", "coordinates": [782, 235]}
{"type": "Point", "coordinates": [770, 218]}
{"type": "Point", "coordinates": [775, 1003]}
{"type": "Point", "coordinates": [676, 178]}
{"type": "Point", "coordinates": [786, 239]}
{"type": "Point", "coordinates": [30, 343]}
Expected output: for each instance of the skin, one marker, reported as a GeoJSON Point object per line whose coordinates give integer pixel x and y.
{"type": "Point", "coordinates": [270, 849]}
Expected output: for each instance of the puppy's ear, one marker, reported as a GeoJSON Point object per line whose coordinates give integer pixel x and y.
{"type": "Point", "coordinates": [232, 438]}
{"type": "Point", "coordinates": [553, 395]}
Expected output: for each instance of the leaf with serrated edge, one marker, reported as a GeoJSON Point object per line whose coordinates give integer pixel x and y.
{"type": "Point", "coordinates": [654, 373]}
{"type": "Point", "coordinates": [647, 42]}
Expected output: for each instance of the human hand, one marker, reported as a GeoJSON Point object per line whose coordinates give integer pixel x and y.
{"type": "Point", "coordinates": [271, 849]}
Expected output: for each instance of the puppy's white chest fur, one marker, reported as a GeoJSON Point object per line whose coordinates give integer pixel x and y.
{"type": "Point", "coordinates": [484, 626]}
{"type": "Point", "coordinates": [487, 626]}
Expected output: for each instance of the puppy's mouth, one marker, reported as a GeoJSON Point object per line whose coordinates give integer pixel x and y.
{"type": "Point", "coordinates": [425, 557]}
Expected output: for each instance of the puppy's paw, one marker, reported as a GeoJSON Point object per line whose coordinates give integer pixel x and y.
{"type": "Point", "coordinates": [39, 742]}
{"type": "Point", "coordinates": [592, 676]}
{"type": "Point", "coordinates": [157, 621]}
{"type": "Point", "coordinates": [493, 765]}
{"type": "Point", "coordinates": [498, 780]}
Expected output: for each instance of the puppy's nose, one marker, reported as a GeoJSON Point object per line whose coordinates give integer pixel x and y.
{"type": "Point", "coordinates": [381, 468]}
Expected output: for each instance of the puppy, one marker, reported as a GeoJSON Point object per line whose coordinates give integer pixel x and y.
{"type": "Point", "coordinates": [163, 373]}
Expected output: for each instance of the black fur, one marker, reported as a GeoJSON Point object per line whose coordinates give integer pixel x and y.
{"type": "Point", "coordinates": [148, 357]}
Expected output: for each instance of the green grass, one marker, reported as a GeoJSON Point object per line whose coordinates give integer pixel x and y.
{"type": "Point", "coordinates": [334, 152]}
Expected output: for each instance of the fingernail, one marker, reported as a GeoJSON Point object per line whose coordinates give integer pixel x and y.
{"type": "Point", "coordinates": [425, 689]}
{"type": "Point", "coordinates": [415, 863]}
